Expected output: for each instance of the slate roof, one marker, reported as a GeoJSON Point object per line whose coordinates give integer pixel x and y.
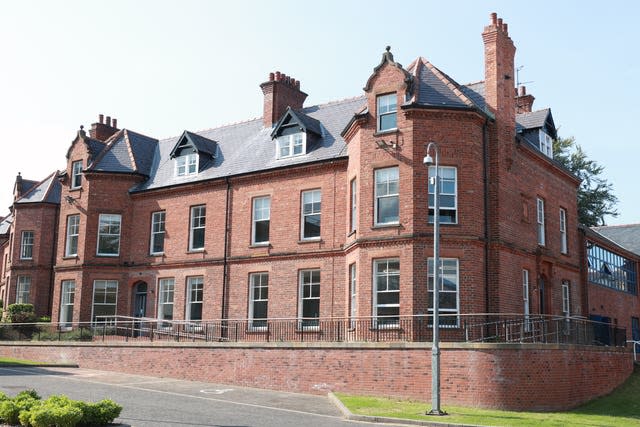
{"type": "Point", "coordinates": [46, 191]}
{"type": "Point", "coordinates": [248, 147]}
{"type": "Point", "coordinates": [532, 120]}
{"type": "Point", "coordinates": [627, 236]}
{"type": "Point", "coordinates": [5, 224]}
{"type": "Point", "coordinates": [434, 88]}
{"type": "Point", "coordinates": [126, 152]}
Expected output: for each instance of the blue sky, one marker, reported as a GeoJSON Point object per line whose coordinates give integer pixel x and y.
{"type": "Point", "coordinates": [161, 67]}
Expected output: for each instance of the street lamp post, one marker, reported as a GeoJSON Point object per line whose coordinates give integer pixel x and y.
{"type": "Point", "coordinates": [435, 349]}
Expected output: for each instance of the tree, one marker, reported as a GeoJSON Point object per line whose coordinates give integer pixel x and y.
{"type": "Point", "coordinates": [595, 193]}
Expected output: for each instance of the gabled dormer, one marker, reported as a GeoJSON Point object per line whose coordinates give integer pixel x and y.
{"type": "Point", "coordinates": [538, 129]}
{"type": "Point", "coordinates": [295, 134]}
{"type": "Point", "coordinates": [192, 153]}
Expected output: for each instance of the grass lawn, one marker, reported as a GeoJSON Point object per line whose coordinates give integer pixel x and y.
{"type": "Point", "coordinates": [10, 361]}
{"type": "Point", "coordinates": [620, 408]}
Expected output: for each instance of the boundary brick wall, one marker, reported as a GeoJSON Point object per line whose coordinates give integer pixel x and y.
{"type": "Point", "coordinates": [507, 376]}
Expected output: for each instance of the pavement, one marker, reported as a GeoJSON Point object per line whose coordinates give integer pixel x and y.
{"type": "Point", "coordinates": [157, 402]}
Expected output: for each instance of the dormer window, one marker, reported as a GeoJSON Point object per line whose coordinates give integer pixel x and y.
{"type": "Point", "coordinates": [192, 153]}
{"type": "Point", "coordinates": [292, 145]}
{"type": "Point", "coordinates": [296, 134]}
{"type": "Point", "coordinates": [387, 112]}
{"type": "Point", "coordinates": [546, 144]}
{"type": "Point", "coordinates": [187, 164]}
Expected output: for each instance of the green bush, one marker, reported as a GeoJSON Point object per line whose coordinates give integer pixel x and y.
{"type": "Point", "coordinates": [59, 411]}
{"type": "Point", "coordinates": [21, 313]}
{"type": "Point", "coordinates": [44, 319]}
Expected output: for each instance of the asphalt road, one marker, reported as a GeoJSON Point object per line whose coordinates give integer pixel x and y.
{"type": "Point", "coordinates": [159, 402]}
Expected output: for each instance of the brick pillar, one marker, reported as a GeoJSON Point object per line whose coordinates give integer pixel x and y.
{"type": "Point", "coordinates": [524, 101]}
{"type": "Point", "coordinates": [103, 130]}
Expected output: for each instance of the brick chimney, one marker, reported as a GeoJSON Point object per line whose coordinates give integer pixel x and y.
{"type": "Point", "coordinates": [280, 91]}
{"type": "Point", "coordinates": [103, 129]}
{"type": "Point", "coordinates": [499, 54]}
{"type": "Point", "coordinates": [524, 102]}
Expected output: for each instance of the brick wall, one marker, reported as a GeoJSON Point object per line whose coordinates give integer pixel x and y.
{"type": "Point", "coordinates": [516, 377]}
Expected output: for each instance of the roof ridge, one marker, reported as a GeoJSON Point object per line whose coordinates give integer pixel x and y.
{"type": "Point", "coordinates": [473, 83]}
{"type": "Point", "coordinates": [449, 82]}
{"type": "Point", "coordinates": [130, 150]}
{"type": "Point", "coordinates": [109, 142]}
{"type": "Point", "coordinates": [616, 226]}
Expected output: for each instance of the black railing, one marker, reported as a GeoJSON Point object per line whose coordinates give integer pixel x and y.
{"type": "Point", "coordinates": [497, 328]}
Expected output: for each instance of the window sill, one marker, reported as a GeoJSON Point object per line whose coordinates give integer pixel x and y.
{"type": "Point", "coordinates": [108, 255]}
{"type": "Point", "coordinates": [259, 245]}
{"type": "Point", "coordinates": [157, 254]}
{"type": "Point", "coordinates": [313, 240]}
{"type": "Point", "coordinates": [389, 225]}
{"type": "Point", "coordinates": [385, 132]}
{"type": "Point", "coordinates": [71, 257]}
{"type": "Point", "coordinates": [352, 233]}
{"type": "Point", "coordinates": [196, 251]}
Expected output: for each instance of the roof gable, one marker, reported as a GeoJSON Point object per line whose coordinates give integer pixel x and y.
{"type": "Point", "coordinates": [296, 119]}
{"type": "Point", "coordinates": [193, 143]}
{"type": "Point", "coordinates": [387, 58]}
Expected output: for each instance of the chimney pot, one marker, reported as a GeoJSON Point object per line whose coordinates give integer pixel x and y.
{"type": "Point", "coordinates": [108, 121]}
{"type": "Point", "coordinates": [278, 76]}
{"type": "Point", "coordinates": [271, 77]}
{"type": "Point", "coordinates": [499, 22]}
{"type": "Point", "coordinates": [298, 84]}
{"type": "Point", "coordinates": [523, 90]}
{"type": "Point", "coordinates": [494, 17]}
{"type": "Point", "coordinates": [115, 123]}
{"type": "Point", "coordinates": [101, 118]}
{"type": "Point", "coordinates": [505, 28]}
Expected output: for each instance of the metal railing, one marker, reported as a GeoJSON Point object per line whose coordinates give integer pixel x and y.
{"type": "Point", "coordinates": [479, 328]}
{"type": "Point", "coordinates": [636, 349]}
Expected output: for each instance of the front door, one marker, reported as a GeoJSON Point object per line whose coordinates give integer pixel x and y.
{"type": "Point", "coordinates": [140, 300]}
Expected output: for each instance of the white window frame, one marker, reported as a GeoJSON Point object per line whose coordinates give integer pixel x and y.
{"type": "Point", "coordinates": [195, 296]}
{"type": "Point", "coordinates": [566, 298]}
{"type": "Point", "coordinates": [443, 274]}
{"type": "Point", "coordinates": [261, 213]}
{"type": "Point", "coordinates": [292, 145]}
{"type": "Point", "coordinates": [73, 235]}
{"type": "Point", "coordinates": [353, 294]}
{"type": "Point", "coordinates": [546, 144]}
{"type": "Point", "coordinates": [563, 231]}
{"type": "Point", "coordinates": [386, 105]}
{"type": "Point", "coordinates": [23, 289]}
{"type": "Point", "coordinates": [387, 276]}
{"type": "Point", "coordinates": [309, 290]}
{"type": "Point", "coordinates": [540, 221]}
{"type": "Point", "coordinates": [444, 182]}
{"type": "Point", "coordinates": [158, 222]}
{"type": "Point", "coordinates": [166, 298]}
{"type": "Point", "coordinates": [258, 294]}
{"type": "Point", "coordinates": [353, 219]}
{"type": "Point", "coordinates": [109, 286]}
{"type": "Point", "coordinates": [187, 164]}
{"type": "Point", "coordinates": [67, 299]}
{"type": "Point", "coordinates": [26, 245]}
{"type": "Point", "coordinates": [197, 221]}
{"type": "Point", "coordinates": [113, 224]}
{"type": "Point", "coordinates": [388, 184]}
{"type": "Point", "coordinates": [525, 300]}
{"type": "Point", "coordinates": [76, 174]}
{"type": "Point", "coordinates": [311, 206]}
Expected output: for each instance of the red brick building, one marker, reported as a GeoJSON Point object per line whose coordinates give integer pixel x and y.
{"type": "Point", "coordinates": [317, 211]}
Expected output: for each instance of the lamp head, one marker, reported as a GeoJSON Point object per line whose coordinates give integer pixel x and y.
{"type": "Point", "coordinates": [428, 160]}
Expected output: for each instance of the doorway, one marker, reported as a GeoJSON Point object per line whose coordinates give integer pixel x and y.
{"type": "Point", "coordinates": [140, 300]}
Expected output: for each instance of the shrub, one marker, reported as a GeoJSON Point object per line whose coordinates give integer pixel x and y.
{"type": "Point", "coordinates": [58, 410]}
{"type": "Point", "coordinates": [80, 334]}
{"type": "Point", "coordinates": [99, 413]}
{"type": "Point", "coordinates": [44, 319]}
{"type": "Point", "coordinates": [21, 313]}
